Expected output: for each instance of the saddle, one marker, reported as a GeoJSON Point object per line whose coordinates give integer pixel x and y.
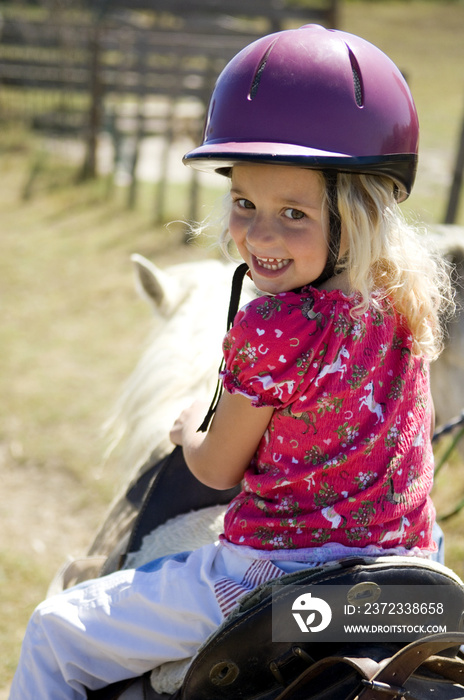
{"type": "Point", "coordinates": [241, 660]}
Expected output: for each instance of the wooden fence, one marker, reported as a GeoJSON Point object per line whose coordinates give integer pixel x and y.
{"type": "Point", "coordinates": [131, 68]}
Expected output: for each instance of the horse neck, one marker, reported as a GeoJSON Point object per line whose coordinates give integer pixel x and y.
{"type": "Point", "coordinates": [179, 364]}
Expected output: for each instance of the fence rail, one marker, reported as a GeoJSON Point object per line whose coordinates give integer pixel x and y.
{"type": "Point", "coordinates": [87, 59]}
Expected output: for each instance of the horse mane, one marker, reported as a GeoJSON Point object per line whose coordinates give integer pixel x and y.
{"type": "Point", "coordinates": [180, 361]}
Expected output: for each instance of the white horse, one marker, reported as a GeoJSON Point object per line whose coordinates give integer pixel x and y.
{"type": "Point", "coordinates": [337, 366]}
{"type": "Point", "coordinates": [392, 535]}
{"type": "Point", "coordinates": [370, 403]}
{"type": "Point", "coordinates": [268, 383]}
{"type": "Point", "coordinates": [334, 518]}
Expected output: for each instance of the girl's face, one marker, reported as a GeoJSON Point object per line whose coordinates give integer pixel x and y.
{"type": "Point", "coordinates": [276, 223]}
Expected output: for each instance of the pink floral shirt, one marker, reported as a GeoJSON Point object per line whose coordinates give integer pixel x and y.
{"type": "Point", "coordinates": [347, 456]}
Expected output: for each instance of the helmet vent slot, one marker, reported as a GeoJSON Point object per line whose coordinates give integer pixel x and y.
{"type": "Point", "coordinates": [259, 72]}
{"type": "Point", "coordinates": [357, 82]}
{"type": "Point", "coordinates": [357, 88]}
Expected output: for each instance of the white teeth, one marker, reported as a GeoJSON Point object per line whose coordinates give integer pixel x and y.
{"type": "Point", "coordinates": [272, 263]}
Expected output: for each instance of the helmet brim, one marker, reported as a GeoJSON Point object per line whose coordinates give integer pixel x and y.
{"type": "Point", "coordinates": [221, 157]}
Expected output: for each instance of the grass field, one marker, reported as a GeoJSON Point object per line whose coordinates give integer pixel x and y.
{"type": "Point", "coordinates": [425, 39]}
{"type": "Point", "coordinates": [73, 327]}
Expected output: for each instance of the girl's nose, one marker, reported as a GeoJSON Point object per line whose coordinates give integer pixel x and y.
{"type": "Point", "coordinates": [261, 232]}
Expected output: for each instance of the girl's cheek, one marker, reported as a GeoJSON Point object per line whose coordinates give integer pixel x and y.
{"type": "Point", "coordinates": [236, 228]}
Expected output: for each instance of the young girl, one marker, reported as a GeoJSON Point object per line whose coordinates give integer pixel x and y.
{"type": "Point", "coordinates": [327, 413]}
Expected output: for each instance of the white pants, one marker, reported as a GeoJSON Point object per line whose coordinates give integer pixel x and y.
{"type": "Point", "coordinates": [130, 622]}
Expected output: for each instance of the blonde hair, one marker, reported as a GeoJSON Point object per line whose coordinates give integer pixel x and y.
{"type": "Point", "coordinates": [387, 258]}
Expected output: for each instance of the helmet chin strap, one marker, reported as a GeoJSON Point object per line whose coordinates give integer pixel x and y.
{"type": "Point", "coordinates": [234, 303]}
{"type": "Point", "coordinates": [335, 228]}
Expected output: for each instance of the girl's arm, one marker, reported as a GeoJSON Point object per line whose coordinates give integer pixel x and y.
{"type": "Point", "coordinates": [219, 457]}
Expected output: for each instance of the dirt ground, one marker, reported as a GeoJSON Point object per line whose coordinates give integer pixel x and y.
{"type": "Point", "coordinates": [48, 521]}
{"type": "Point", "coordinates": [51, 522]}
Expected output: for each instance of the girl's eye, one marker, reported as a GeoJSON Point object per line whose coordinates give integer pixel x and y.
{"type": "Point", "coordinates": [245, 204]}
{"type": "Point", "coordinates": [294, 214]}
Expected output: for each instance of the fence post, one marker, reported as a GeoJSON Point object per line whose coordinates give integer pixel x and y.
{"type": "Point", "coordinates": [89, 168]}
{"type": "Point", "coordinates": [456, 185]}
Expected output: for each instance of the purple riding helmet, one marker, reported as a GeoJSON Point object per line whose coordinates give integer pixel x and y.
{"type": "Point", "coordinates": [316, 98]}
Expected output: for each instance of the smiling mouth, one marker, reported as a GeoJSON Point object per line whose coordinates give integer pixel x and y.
{"type": "Point", "coordinates": [272, 263]}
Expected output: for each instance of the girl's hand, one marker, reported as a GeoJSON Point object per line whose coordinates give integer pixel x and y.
{"type": "Point", "coordinates": [188, 422]}
{"type": "Point", "coordinates": [219, 457]}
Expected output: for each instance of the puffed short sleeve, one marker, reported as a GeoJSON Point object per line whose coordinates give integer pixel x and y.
{"type": "Point", "coordinates": [263, 353]}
